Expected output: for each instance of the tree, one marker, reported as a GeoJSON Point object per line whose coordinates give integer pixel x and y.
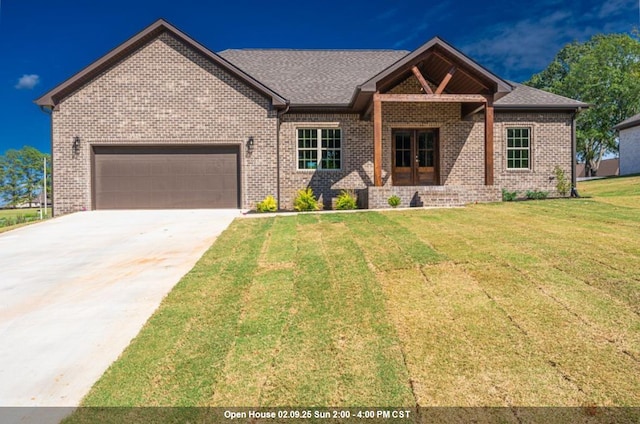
{"type": "Point", "coordinates": [11, 186]}
{"type": "Point", "coordinates": [604, 72]}
{"type": "Point", "coordinates": [21, 173]}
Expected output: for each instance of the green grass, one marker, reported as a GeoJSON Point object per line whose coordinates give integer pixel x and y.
{"type": "Point", "coordinates": [507, 304]}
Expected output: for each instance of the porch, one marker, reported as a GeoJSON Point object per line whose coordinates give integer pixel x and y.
{"type": "Point", "coordinates": [433, 130]}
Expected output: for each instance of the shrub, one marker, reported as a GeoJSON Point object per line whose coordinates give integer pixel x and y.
{"type": "Point", "coordinates": [509, 196]}
{"type": "Point", "coordinates": [537, 194]}
{"type": "Point", "coordinates": [346, 200]}
{"type": "Point", "coordinates": [563, 185]}
{"type": "Point", "coordinates": [269, 204]}
{"type": "Point", "coordinates": [394, 201]}
{"type": "Point", "coordinates": [305, 201]}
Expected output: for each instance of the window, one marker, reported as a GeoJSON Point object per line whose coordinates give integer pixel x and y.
{"type": "Point", "coordinates": [518, 148]}
{"type": "Point", "coordinates": [319, 148]}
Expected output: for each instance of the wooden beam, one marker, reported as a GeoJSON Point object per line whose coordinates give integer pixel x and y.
{"type": "Point", "coordinates": [377, 140]}
{"type": "Point", "coordinates": [435, 98]}
{"type": "Point", "coordinates": [423, 82]}
{"type": "Point", "coordinates": [462, 70]}
{"type": "Point", "coordinates": [445, 80]}
{"type": "Point", "coordinates": [469, 109]}
{"type": "Point", "coordinates": [488, 142]}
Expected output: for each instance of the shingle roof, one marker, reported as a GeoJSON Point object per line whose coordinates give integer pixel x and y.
{"type": "Point", "coordinates": [330, 77]}
{"type": "Point", "coordinates": [318, 77]}
{"type": "Point", "coordinates": [524, 96]}
{"type": "Point", "coordinates": [628, 123]}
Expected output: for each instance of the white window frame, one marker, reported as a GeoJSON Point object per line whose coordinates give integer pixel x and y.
{"type": "Point", "coordinates": [528, 149]}
{"type": "Point", "coordinates": [319, 147]}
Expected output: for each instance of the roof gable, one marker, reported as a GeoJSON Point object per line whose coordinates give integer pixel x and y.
{"type": "Point", "coordinates": [55, 95]}
{"type": "Point", "coordinates": [436, 57]}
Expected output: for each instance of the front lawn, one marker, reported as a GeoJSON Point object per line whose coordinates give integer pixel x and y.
{"type": "Point", "coordinates": [507, 304]}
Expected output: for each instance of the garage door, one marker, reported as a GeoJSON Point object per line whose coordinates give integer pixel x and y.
{"type": "Point", "coordinates": [166, 177]}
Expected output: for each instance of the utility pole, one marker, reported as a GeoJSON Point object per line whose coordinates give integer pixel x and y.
{"type": "Point", "coordinates": [43, 207]}
{"type": "Point", "coordinates": [44, 186]}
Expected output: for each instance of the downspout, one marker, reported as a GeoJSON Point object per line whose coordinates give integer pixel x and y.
{"type": "Point", "coordinates": [278, 121]}
{"type": "Point", "coordinates": [574, 188]}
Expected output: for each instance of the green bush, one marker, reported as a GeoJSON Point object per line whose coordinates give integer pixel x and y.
{"type": "Point", "coordinates": [509, 196]}
{"type": "Point", "coordinates": [346, 200]}
{"type": "Point", "coordinates": [537, 194]}
{"type": "Point", "coordinates": [394, 201]}
{"type": "Point", "coordinates": [305, 201]}
{"type": "Point", "coordinates": [269, 204]}
{"type": "Point", "coordinates": [563, 185]}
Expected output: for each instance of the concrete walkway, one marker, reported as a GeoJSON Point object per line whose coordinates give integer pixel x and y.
{"type": "Point", "coordinates": [75, 290]}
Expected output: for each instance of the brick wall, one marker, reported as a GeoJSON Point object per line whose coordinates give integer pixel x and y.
{"type": "Point", "coordinates": [163, 93]}
{"type": "Point", "coordinates": [550, 147]}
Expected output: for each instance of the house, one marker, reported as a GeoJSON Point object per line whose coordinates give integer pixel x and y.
{"type": "Point", "coordinates": [607, 168]}
{"type": "Point", "coordinates": [629, 147]}
{"type": "Point", "coordinates": [163, 122]}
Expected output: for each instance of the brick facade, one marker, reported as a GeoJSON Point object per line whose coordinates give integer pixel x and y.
{"type": "Point", "coordinates": [166, 93]}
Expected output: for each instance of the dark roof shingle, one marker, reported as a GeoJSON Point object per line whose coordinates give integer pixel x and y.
{"type": "Point", "coordinates": [524, 96]}
{"type": "Point", "coordinates": [313, 77]}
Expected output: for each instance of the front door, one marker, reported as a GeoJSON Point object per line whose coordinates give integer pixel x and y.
{"type": "Point", "coordinates": [415, 157]}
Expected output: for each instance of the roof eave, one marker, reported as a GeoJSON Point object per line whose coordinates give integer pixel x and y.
{"type": "Point", "coordinates": [626, 125]}
{"type": "Point", "coordinates": [545, 107]}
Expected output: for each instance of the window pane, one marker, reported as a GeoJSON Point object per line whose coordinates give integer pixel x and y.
{"type": "Point", "coordinates": [330, 148]}
{"type": "Point", "coordinates": [518, 143]}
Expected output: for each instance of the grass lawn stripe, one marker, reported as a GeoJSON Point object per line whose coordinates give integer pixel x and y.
{"type": "Point", "coordinates": [338, 350]}
{"type": "Point", "coordinates": [387, 245]}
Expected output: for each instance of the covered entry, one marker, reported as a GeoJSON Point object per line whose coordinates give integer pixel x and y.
{"type": "Point", "coordinates": [158, 177]}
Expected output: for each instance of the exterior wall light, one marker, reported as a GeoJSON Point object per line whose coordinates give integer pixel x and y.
{"type": "Point", "coordinates": [76, 145]}
{"type": "Point", "coordinates": [250, 144]}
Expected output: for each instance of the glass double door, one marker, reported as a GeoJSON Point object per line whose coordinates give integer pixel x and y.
{"type": "Point", "coordinates": [415, 157]}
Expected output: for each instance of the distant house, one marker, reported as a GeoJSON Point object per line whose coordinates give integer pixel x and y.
{"type": "Point", "coordinates": [37, 202]}
{"type": "Point", "coordinates": [163, 122]}
{"type": "Point", "coordinates": [629, 130]}
{"type": "Point", "coordinates": [607, 168]}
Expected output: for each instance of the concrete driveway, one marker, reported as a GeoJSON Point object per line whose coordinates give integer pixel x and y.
{"type": "Point", "coordinates": [75, 290]}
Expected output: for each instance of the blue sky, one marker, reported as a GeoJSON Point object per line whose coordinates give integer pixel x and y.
{"type": "Point", "coordinates": [44, 42]}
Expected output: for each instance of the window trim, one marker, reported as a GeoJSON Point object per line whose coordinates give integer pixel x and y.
{"type": "Point", "coordinates": [529, 149]}
{"type": "Point", "coordinates": [319, 149]}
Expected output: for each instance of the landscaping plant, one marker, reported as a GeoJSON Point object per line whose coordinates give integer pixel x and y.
{"type": "Point", "coordinates": [563, 185]}
{"type": "Point", "coordinates": [509, 196]}
{"type": "Point", "coordinates": [394, 201]}
{"type": "Point", "coordinates": [537, 194]}
{"type": "Point", "coordinates": [346, 200]}
{"type": "Point", "coordinates": [269, 204]}
{"type": "Point", "coordinates": [305, 201]}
